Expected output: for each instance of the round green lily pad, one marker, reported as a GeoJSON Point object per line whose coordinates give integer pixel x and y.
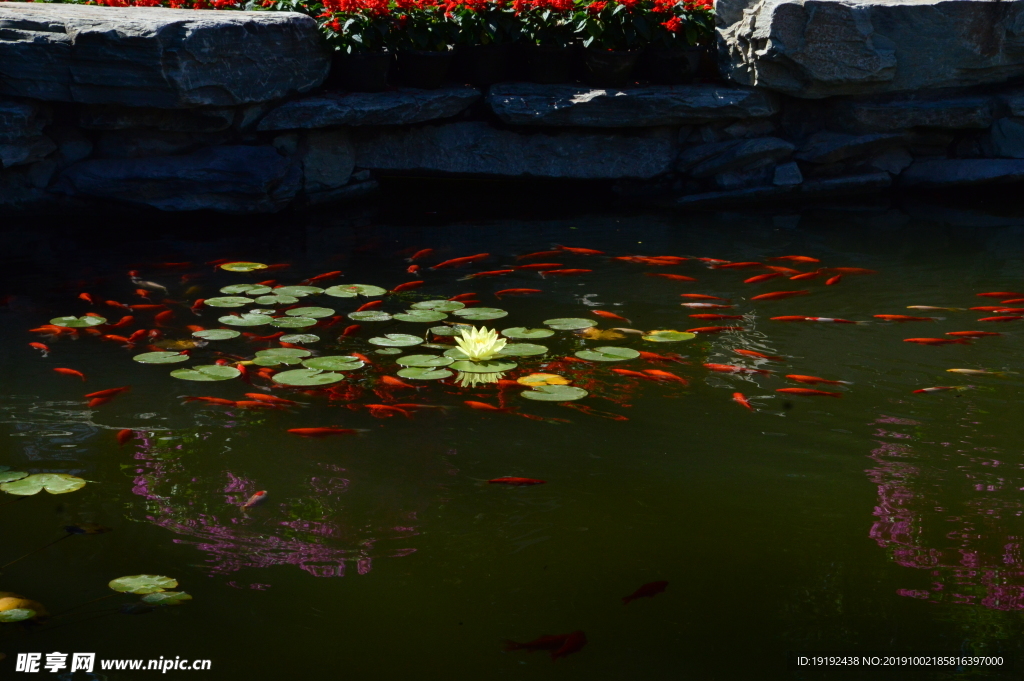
{"type": "Point", "coordinates": [16, 615]}
{"type": "Point", "coordinates": [396, 340]}
{"type": "Point", "coordinates": [160, 358]}
{"type": "Point", "coordinates": [251, 289]}
{"type": "Point", "coordinates": [453, 330]}
{"type": "Point", "coordinates": [284, 352]}
{"type": "Point", "coordinates": [83, 322]}
{"type": "Point", "coordinates": [260, 310]}
{"type": "Point", "coordinates": [489, 367]}
{"type": "Point", "coordinates": [250, 319]}
{"type": "Point", "coordinates": [293, 322]}
{"type": "Point", "coordinates": [669, 336]}
{"type": "Point", "coordinates": [608, 354]}
{"type": "Point", "coordinates": [424, 373]}
{"type": "Point", "coordinates": [307, 377]}
{"type": "Point", "coordinates": [555, 393]}
{"type": "Point", "coordinates": [11, 476]}
{"type": "Point", "coordinates": [480, 313]}
{"type": "Point", "coordinates": [455, 353]}
{"type": "Point", "coordinates": [388, 351]}
{"type": "Point", "coordinates": [424, 361]}
{"type": "Point", "coordinates": [242, 266]}
{"type": "Point", "coordinates": [216, 334]}
{"type": "Point", "coordinates": [276, 360]}
{"type": "Point", "coordinates": [142, 584]}
{"type": "Point", "coordinates": [420, 316]}
{"type": "Point", "coordinates": [334, 363]}
{"type": "Point", "coordinates": [438, 305]}
{"type": "Point", "coordinates": [298, 291]}
{"type": "Point", "coordinates": [299, 338]}
{"type": "Point", "coordinates": [523, 332]}
{"type": "Point", "coordinates": [437, 346]}
{"type": "Point", "coordinates": [228, 301]}
{"type": "Point", "coordinates": [353, 290]}
{"type": "Point", "coordinates": [166, 598]}
{"type": "Point", "coordinates": [313, 312]}
{"type": "Point", "coordinates": [207, 372]}
{"type": "Point", "coordinates": [275, 299]}
{"type": "Point", "coordinates": [522, 350]}
{"type": "Point", "coordinates": [569, 323]}
{"type": "Point", "coordinates": [369, 316]}
{"type": "Point", "coordinates": [54, 483]}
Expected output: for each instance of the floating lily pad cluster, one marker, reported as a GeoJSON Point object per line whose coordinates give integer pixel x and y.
{"type": "Point", "coordinates": [152, 588]}
{"type": "Point", "coordinates": [23, 484]}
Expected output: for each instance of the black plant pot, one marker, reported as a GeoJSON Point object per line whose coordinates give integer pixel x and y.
{"type": "Point", "coordinates": [361, 71]}
{"type": "Point", "coordinates": [424, 69]}
{"type": "Point", "coordinates": [483, 64]}
{"type": "Point", "coordinates": [547, 64]}
{"type": "Point", "coordinates": [609, 68]}
{"type": "Point", "coordinates": [672, 65]}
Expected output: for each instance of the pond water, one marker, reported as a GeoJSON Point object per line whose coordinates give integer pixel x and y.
{"type": "Point", "coordinates": [884, 520]}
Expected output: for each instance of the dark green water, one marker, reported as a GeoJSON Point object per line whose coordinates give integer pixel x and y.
{"type": "Point", "coordinates": [883, 521]}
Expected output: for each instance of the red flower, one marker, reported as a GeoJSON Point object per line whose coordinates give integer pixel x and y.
{"type": "Point", "coordinates": [674, 25]}
{"type": "Point", "coordinates": [597, 7]}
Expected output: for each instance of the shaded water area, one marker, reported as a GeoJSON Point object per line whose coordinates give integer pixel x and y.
{"type": "Point", "coordinates": [880, 521]}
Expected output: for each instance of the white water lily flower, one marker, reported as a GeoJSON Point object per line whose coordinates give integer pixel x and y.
{"type": "Point", "coordinates": [481, 344]}
{"type": "Point", "coordinates": [468, 379]}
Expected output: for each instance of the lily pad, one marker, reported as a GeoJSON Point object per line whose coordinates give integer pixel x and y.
{"type": "Point", "coordinates": [54, 483]}
{"type": "Point", "coordinates": [396, 340]}
{"type": "Point", "coordinates": [480, 313]}
{"type": "Point", "coordinates": [293, 322]}
{"type": "Point", "coordinates": [251, 289]}
{"type": "Point", "coordinates": [456, 353]}
{"type": "Point", "coordinates": [260, 310]}
{"type": "Point", "coordinates": [242, 266]}
{"type": "Point", "coordinates": [569, 323]}
{"type": "Point", "coordinates": [275, 361]}
{"type": "Point", "coordinates": [16, 615]}
{"type": "Point", "coordinates": [160, 358]}
{"type": "Point", "coordinates": [298, 291]}
{"type": "Point", "coordinates": [353, 290]}
{"type": "Point", "coordinates": [453, 330]}
{"type": "Point", "coordinates": [249, 319]}
{"type": "Point", "coordinates": [489, 367]}
{"type": "Point", "coordinates": [555, 393]}
{"type": "Point", "coordinates": [420, 316]}
{"type": "Point", "coordinates": [608, 353]}
{"type": "Point", "coordinates": [313, 312]}
{"type": "Point", "coordinates": [334, 363]}
{"type": "Point", "coordinates": [216, 334]}
{"type": "Point", "coordinates": [437, 346]}
{"type": "Point", "coordinates": [369, 316]}
{"type": "Point", "coordinates": [166, 598]}
{"type": "Point", "coordinates": [11, 476]}
{"type": "Point", "coordinates": [142, 584]}
{"type": "Point", "coordinates": [523, 332]}
{"type": "Point", "coordinates": [668, 336]}
{"type": "Point", "coordinates": [534, 380]}
{"type": "Point", "coordinates": [83, 322]}
{"type": "Point", "coordinates": [438, 305]}
{"type": "Point", "coordinates": [424, 361]}
{"type": "Point", "coordinates": [307, 377]}
{"type": "Point", "coordinates": [522, 350]}
{"type": "Point", "coordinates": [388, 351]}
{"type": "Point", "coordinates": [284, 352]}
{"type": "Point", "coordinates": [228, 301]}
{"type": "Point", "coordinates": [299, 338]}
{"type": "Point", "coordinates": [424, 373]}
{"type": "Point", "coordinates": [207, 372]}
{"type": "Point", "coordinates": [275, 299]}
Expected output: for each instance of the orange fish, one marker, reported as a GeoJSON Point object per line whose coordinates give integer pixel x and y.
{"type": "Point", "coordinates": [372, 305]}
{"type": "Point", "coordinates": [564, 273]}
{"type": "Point", "coordinates": [832, 281]}
{"type": "Point", "coordinates": [412, 269]}
{"type": "Point", "coordinates": [758, 355]}
{"type": "Point", "coordinates": [351, 330]}
{"type": "Point", "coordinates": [271, 399]}
{"type": "Point", "coordinates": [212, 400]}
{"type": "Point", "coordinates": [384, 411]}
{"type": "Point", "coordinates": [740, 398]}
{"type": "Point", "coordinates": [147, 307]}
{"type": "Point", "coordinates": [1013, 300]}
{"type": "Point", "coordinates": [630, 373]}
{"type": "Point", "coordinates": [999, 294]}
{"type": "Point", "coordinates": [110, 392]}
{"type": "Point", "coordinates": [459, 262]}
{"type": "Point", "coordinates": [114, 303]}
{"type": "Point", "coordinates": [1011, 310]}
{"type": "Point", "coordinates": [516, 292]}
{"type": "Point", "coordinates": [42, 347]}
{"type": "Point", "coordinates": [407, 286]}
{"type": "Point", "coordinates": [673, 277]}
{"type": "Point", "coordinates": [701, 296]}
{"type": "Point", "coordinates": [737, 266]}
{"type": "Point", "coordinates": [807, 392]}
{"type": "Point", "coordinates": [936, 341]}
{"type": "Point", "coordinates": [812, 380]}
{"type": "Point", "coordinates": [112, 337]}
{"type": "Point", "coordinates": [540, 254]}
{"type": "Point", "coordinates": [98, 402]}
{"type": "Point", "coordinates": [655, 357]}
{"type": "Point", "coordinates": [516, 481]}
{"type": "Point", "coordinates": [482, 406]}
{"type": "Point", "coordinates": [463, 296]}
{"type": "Point", "coordinates": [362, 358]}
{"type": "Point", "coordinates": [142, 293]}
{"type": "Point", "coordinates": [794, 258]}
{"type": "Point", "coordinates": [715, 329]}
{"type": "Point", "coordinates": [422, 253]}
{"type": "Point", "coordinates": [490, 273]}
{"type": "Point", "coordinates": [903, 318]}
{"type": "Point", "coordinates": [395, 382]}
{"type": "Point", "coordinates": [124, 436]}
{"type": "Point", "coordinates": [779, 295]}
{"type": "Point", "coordinates": [609, 315]}
{"type": "Point", "coordinates": [321, 432]}
{"type": "Point", "coordinates": [137, 336]}
{"type": "Point", "coordinates": [806, 275]}
{"type": "Point", "coordinates": [762, 277]}
{"type": "Point", "coordinates": [788, 271]}
{"type": "Point", "coordinates": [127, 320]}
{"type": "Point", "coordinates": [255, 404]}
{"type": "Point", "coordinates": [70, 372]}
{"type": "Point", "coordinates": [649, 590]}
{"type": "Point", "coordinates": [255, 499]}
{"type": "Point", "coordinates": [834, 320]}
{"type": "Point", "coordinates": [789, 318]}
{"type": "Point", "coordinates": [712, 261]}
{"type": "Point", "coordinates": [660, 375]}
{"type": "Point", "coordinates": [573, 643]}
{"type": "Point", "coordinates": [735, 369]}
{"type": "Point", "coordinates": [540, 266]}
{"type": "Point", "coordinates": [716, 317]}
{"type": "Point", "coordinates": [850, 270]}
{"type": "Point", "coordinates": [323, 277]}
{"type": "Point", "coordinates": [706, 306]}
{"type": "Point", "coordinates": [1009, 318]}
{"type": "Point", "coordinates": [579, 251]}
{"type": "Point", "coordinates": [938, 388]}
{"type": "Point", "coordinates": [987, 308]}
{"type": "Point", "coordinates": [87, 298]}
{"type": "Point", "coordinates": [973, 334]}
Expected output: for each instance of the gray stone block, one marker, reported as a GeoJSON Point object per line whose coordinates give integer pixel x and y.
{"type": "Point", "coordinates": [963, 171]}
{"type": "Point", "coordinates": [787, 175]}
{"type": "Point", "coordinates": [403, 106]}
{"type": "Point", "coordinates": [72, 145]}
{"type": "Point", "coordinates": [830, 147]}
{"type": "Point", "coordinates": [477, 148]}
{"type": "Point", "coordinates": [143, 143]}
{"type": "Point", "coordinates": [893, 161]}
{"type": "Point", "coordinates": [721, 157]}
{"type": "Point", "coordinates": [20, 119]}
{"type": "Point", "coordinates": [656, 105]}
{"type": "Point", "coordinates": [156, 57]}
{"type": "Point", "coordinates": [101, 117]}
{"type": "Point", "coordinates": [900, 112]}
{"type": "Point", "coordinates": [1008, 137]}
{"type": "Point", "coordinates": [850, 185]}
{"type": "Point", "coordinates": [27, 151]}
{"type": "Point", "coordinates": [328, 160]}
{"type": "Point", "coordinates": [229, 179]}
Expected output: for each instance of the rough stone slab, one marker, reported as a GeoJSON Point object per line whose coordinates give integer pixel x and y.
{"type": "Point", "coordinates": [965, 171]}
{"type": "Point", "coordinates": [21, 119]}
{"type": "Point", "coordinates": [99, 117]}
{"type": "Point", "coordinates": [143, 143]}
{"type": "Point", "coordinates": [403, 106]}
{"type": "Point", "coordinates": [1008, 137]}
{"type": "Point", "coordinates": [721, 157]}
{"type": "Point", "coordinates": [850, 185]}
{"type": "Point", "coordinates": [830, 147]}
{"type": "Point", "coordinates": [156, 57]}
{"type": "Point", "coordinates": [26, 151]}
{"type": "Point", "coordinates": [230, 179]}
{"type": "Point", "coordinates": [823, 48]}
{"type": "Point", "coordinates": [926, 110]}
{"type": "Point", "coordinates": [787, 174]}
{"type": "Point", "coordinates": [477, 148]}
{"type": "Point", "coordinates": [893, 161]}
{"type": "Point", "coordinates": [581, 106]}
{"type": "Point", "coordinates": [328, 160]}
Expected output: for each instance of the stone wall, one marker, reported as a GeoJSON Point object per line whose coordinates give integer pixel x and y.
{"type": "Point", "coordinates": [181, 110]}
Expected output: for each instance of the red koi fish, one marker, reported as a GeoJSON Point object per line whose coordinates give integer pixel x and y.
{"type": "Point", "coordinates": [715, 329]}
{"type": "Point", "coordinates": [255, 404]}
{"type": "Point", "coordinates": [832, 281]}
{"type": "Point", "coordinates": [422, 253]}
{"type": "Point", "coordinates": [212, 400]}
{"type": "Point", "coordinates": [789, 318]}
{"type": "Point", "coordinates": [737, 266]}
{"type": "Point", "coordinates": [147, 307]}
{"type": "Point", "coordinates": [903, 318]}
{"type": "Point", "coordinates": [740, 399]}
{"type": "Point", "coordinates": [463, 296]}
{"type": "Point", "coordinates": [490, 273]}
{"type": "Point", "coordinates": [540, 254]}
{"type": "Point", "coordinates": [579, 251]}
{"type": "Point", "coordinates": [1012, 301]}
{"type": "Point", "coordinates": [1008, 318]}
{"type": "Point", "coordinates": [361, 357]}
{"type": "Point", "coordinates": [999, 294]}
{"type": "Point", "coordinates": [813, 380]}
{"type": "Point", "coordinates": [609, 315]}
{"type": "Point", "coordinates": [712, 261]}
{"type": "Point", "coordinates": [109, 392]}
{"type": "Point", "coordinates": [788, 271]}
{"type": "Point", "coordinates": [384, 411]}
{"type": "Point", "coordinates": [735, 369]}
{"type": "Point", "coordinates": [137, 336]}
{"type": "Point", "coordinates": [850, 270]}
{"type": "Point", "coordinates": [573, 644]}
{"type": "Point", "coordinates": [986, 308]}
{"type": "Point", "coordinates": [565, 273]}
{"type": "Point", "coordinates": [833, 320]}
{"type": "Point", "coordinates": [659, 375]}
{"type": "Point", "coordinates": [716, 317]}
{"type": "Point", "coordinates": [459, 262]}
{"type": "Point", "coordinates": [655, 357]}
{"type": "Point", "coordinates": [630, 373]}
{"type": "Point", "coordinates": [124, 321]}
{"type": "Point", "coordinates": [408, 286]}
{"type": "Point", "coordinates": [351, 330]}
{"type": "Point", "coordinates": [806, 275]}
{"type": "Point", "coordinates": [973, 334]}
{"type": "Point", "coordinates": [142, 293]}
{"type": "Point", "coordinates": [540, 266]}
{"type": "Point", "coordinates": [780, 295]}
{"type": "Point", "coordinates": [321, 432]}
{"type": "Point", "coordinates": [937, 341]}
{"type": "Point", "coordinates": [270, 399]}
{"type": "Point", "coordinates": [482, 406]}
{"type": "Point", "coordinates": [70, 372]}
{"type": "Point", "coordinates": [649, 590]}
{"type": "Point", "coordinates": [87, 298]}
{"type": "Point", "coordinates": [98, 402]}
{"type": "Point", "coordinates": [395, 382]}
{"type": "Point", "coordinates": [112, 337]}
{"type": "Point", "coordinates": [516, 292]}
{"type": "Point", "coordinates": [323, 277]}
{"type": "Point", "coordinates": [255, 499]}
{"type": "Point", "coordinates": [794, 258]}
{"type": "Point", "coordinates": [516, 481]}
{"type": "Point", "coordinates": [372, 305]}
{"type": "Point", "coordinates": [938, 388]}
{"type": "Point", "coordinates": [807, 392]}
{"type": "Point", "coordinates": [42, 347]}
{"type": "Point", "coordinates": [412, 269]}
{"type": "Point", "coordinates": [124, 436]}
{"type": "Point", "coordinates": [758, 355]}
{"type": "Point", "coordinates": [163, 317]}
{"type": "Point", "coordinates": [701, 296]}
{"type": "Point", "coordinates": [707, 306]}
{"type": "Point", "coordinates": [1011, 310]}
{"type": "Point", "coordinates": [546, 642]}
{"type": "Point", "coordinates": [673, 277]}
{"type": "Point", "coordinates": [762, 277]}
{"type": "Point", "coordinates": [114, 303]}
